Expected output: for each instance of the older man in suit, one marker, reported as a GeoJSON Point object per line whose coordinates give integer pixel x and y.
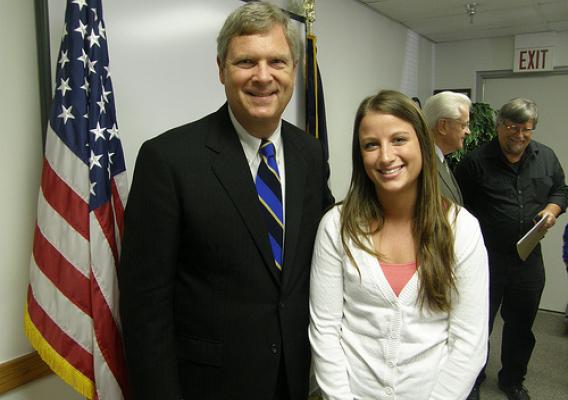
{"type": "Point", "coordinates": [219, 230]}
{"type": "Point", "coordinates": [447, 115]}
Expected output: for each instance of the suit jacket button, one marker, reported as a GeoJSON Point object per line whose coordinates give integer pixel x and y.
{"type": "Point", "coordinates": [274, 349]}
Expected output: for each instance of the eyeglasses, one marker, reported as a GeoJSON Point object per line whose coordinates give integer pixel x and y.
{"type": "Point", "coordinates": [463, 125]}
{"type": "Point", "coordinates": [512, 128]}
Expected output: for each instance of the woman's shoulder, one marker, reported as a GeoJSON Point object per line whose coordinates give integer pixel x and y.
{"type": "Point", "coordinates": [333, 215]}
{"type": "Point", "coordinates": [467, 232]}
{"type": "Point", "coordinates": [331, 221]}
{"type": "Point", "coordinates": [462, 216]}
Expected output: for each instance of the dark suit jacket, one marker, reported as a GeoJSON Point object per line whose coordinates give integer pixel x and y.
{"type": "Point", "coordinates": [204, 313]}
{"type": "Point", "coordinates": [448, 184]}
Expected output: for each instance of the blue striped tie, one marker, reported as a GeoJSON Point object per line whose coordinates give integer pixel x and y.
{"type": "Point", "coordinates": [270, 196]}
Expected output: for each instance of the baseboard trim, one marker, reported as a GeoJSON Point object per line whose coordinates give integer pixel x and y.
{"type": "Point", "coordinates": [22, 370]}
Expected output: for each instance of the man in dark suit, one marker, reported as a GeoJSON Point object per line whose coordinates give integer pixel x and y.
{"type": "Point", "coordinates": [447, 115]}
{"type": "Point", "coordinates": [214, 293]}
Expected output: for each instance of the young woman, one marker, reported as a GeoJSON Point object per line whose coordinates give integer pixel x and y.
{"type": "Point", "coordinates": [399, 281]}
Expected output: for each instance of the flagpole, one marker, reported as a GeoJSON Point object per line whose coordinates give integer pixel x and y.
{"type": "Point", "coordinates": [44, 63]}
{"type": "Point", "coordinates": [310, 15]}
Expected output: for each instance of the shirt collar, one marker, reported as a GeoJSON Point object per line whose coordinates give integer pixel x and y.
{"type": "Point", "coordinates": [250, 143]}
{"type": "Point", "coordinates": [495, 149]}
{"type": "Point", "coordinates": [439, 153]}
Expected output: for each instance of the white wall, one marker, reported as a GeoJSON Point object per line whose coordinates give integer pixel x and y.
{"type": "Point", "coordinates": [456, 63]}
{"type": "Point", "coordinates": [20, 155]}
{"type": "Point", "coordinates": [359, 52]}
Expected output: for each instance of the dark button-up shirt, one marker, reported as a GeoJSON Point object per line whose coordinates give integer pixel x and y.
{"type": "Point", "coordinates": [506, 198]}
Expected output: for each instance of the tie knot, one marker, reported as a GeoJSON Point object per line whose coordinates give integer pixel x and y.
{"type": "Point", "coordinates": [267, 149]}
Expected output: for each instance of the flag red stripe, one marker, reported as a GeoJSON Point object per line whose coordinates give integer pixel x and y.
{"type": "Point", "coordinates": [108, 336]}
{"type": "Point", "coordinates": [106, 329]}
{"type": "Point", "coordinates": [65, 201]}
{"type": "Point", "coordinates": [106, 221]}
{"type": "Point", "coordinates": [118, 207]}
{"type": "Point", "coordinates": [62, 343]}
{"type": "Point", "coordinates": [69, 281]}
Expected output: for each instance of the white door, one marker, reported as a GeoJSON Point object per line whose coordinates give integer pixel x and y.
{"type": "Point", "coordinates": [550, 94]}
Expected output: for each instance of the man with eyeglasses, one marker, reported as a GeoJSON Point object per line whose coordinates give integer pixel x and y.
{"type": "Point", "coordinates": [508, 184]}
{"type": "Point", "coordinates": [447, 115]}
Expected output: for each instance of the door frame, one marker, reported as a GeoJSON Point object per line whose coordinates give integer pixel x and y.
{"type": "Point", "coordinates": [482, 76]}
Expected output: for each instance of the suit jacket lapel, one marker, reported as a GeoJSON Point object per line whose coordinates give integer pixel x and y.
{"type": "Point", "coordinates": [448, 181]}
{"type": "Point", "coordinates": [295, 181]}
{"type": "Point", "coordinates": [456, 188]}
{"type": "Point", "coordinates": [230, 166]}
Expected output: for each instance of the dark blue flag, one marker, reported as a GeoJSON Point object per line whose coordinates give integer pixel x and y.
{"type": "Point", "coordinates": [315, 104]}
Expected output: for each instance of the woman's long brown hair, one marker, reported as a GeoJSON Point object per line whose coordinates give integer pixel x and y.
{"type": "Point", "coordinates": [432, 231]}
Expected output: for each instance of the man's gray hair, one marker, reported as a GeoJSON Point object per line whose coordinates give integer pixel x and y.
{"type": "Point", "coordinates": [256, 17]}
{"type": "Point", "coordinates": [444, 105]}
{"type": "Point", "coordinates": [518, 110]}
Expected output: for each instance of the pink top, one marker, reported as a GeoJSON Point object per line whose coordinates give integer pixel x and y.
{"type": "Point", "coordinates": [398, 275]}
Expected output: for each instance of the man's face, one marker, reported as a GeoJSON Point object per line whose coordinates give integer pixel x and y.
{"type": "Point", "coordinates": [258, 75]}
{"type": "Point", "coordinates": [514, 138]}
{"type": "Point", "coordinates": [452, 132]}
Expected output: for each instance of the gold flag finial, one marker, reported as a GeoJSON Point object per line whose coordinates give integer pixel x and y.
{"type": "Point", "coordinates": [310, 13]}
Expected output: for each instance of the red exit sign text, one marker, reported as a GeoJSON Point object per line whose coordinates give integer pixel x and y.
{"type": "Point", "coordinates": [533, 59]}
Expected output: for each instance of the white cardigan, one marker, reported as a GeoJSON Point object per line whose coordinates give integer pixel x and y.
{"type": "Point", "coordinates": [367, 343]}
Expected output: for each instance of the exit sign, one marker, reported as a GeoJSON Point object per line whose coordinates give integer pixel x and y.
{"type": "Point", "coordinates": [533, 59]}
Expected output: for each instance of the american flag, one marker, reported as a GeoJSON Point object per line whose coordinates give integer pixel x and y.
{"type": "Point", "coordinates": [71, 317]}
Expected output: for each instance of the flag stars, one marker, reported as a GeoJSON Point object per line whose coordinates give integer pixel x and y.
{"type": "Point", "coordinates": [86, 86]}
{"type": "Point", "coordinates": [92, 189]}
{"type": "Point", "coordinates": [66, 114]}
{"type": "Point", "coordinates": [94, 160]}
{"type": "Point", "coordinates": [84, 58]}
{"type": "Point", "coordinates": [105, 94]}
{"type": "Point", "coordinates": [64, 86]}
{"type": "Point", "coordinates": [107, 69]}
{"type": "Point", "coordinates": [94, 39]}
{"type": "Point", "coordinates": [95, 14]}
{"type": "Point", "coordinates": [63, 59]}
{"type": "Point", "coordinates": [102, 105]}
{"type": "Point", "coordinates": [98, 132]}
{"type": "Point", "coordinates": [82, 29]}
{"type": "Point", "coordinates": [102, 30]}
{"type": "Point", "coordinates": [80, 3]}
{"type": "Point", "coordinates": [92, 66]}
{"type": "Point", "coordinates": [113, 132]}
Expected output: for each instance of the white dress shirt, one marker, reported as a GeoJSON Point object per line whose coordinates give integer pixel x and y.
{"type": "Point", "coordinates": [251, 145]}
{"type": "Point", "coordinates": [367, 343]}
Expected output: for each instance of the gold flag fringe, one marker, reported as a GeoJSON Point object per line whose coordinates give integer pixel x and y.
{"type": "Point", "coordinates": [56, 362]}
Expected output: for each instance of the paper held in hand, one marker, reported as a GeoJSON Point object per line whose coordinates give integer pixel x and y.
{"type": "Point", "coordinates": [527, 243]}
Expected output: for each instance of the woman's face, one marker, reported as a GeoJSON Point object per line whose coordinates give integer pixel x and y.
{"type": "Point", "coordinates": [391, 153]}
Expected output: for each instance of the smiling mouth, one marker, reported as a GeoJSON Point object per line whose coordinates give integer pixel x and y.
{"type": "Point", "coordinates": [255, 94]}
{"type": "Point", "coordinates": [392, 171]}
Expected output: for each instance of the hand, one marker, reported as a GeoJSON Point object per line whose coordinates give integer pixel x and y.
{"type": "Point", "coordinates": [550, 219]}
